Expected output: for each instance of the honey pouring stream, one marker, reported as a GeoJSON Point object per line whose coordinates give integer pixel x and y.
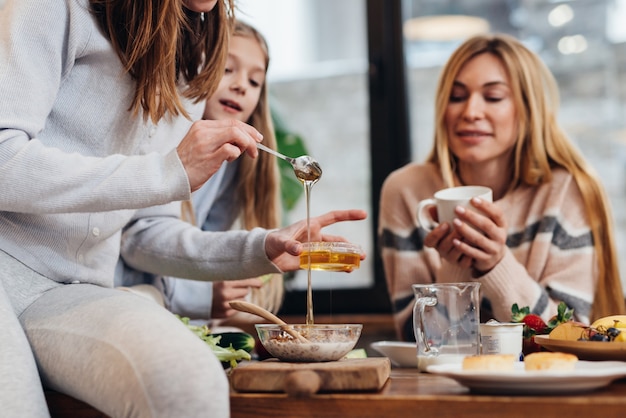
{"type": "Point", "coordinates": [308, 171]}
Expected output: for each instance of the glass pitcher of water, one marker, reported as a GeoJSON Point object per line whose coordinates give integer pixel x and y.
{"type": "Point", "coordinates": [446, 321]}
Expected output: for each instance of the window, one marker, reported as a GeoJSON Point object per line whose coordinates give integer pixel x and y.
{"type": "Point", "coordinates": [318, 84]}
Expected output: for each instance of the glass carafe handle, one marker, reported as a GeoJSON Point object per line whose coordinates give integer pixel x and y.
{"type": "Point", "coordinates": [418, 310]}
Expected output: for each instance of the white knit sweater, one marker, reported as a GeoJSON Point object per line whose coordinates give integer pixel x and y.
{"type": "Point", "coordinates": [75, 164]}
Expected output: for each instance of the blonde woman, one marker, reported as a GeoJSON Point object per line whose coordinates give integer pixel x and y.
{"type": "Point", "coordinates": [548, 236]}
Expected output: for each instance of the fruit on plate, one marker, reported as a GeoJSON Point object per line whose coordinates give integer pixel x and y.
{"type": "Point", "coordinates": [610, 328]}
{"type": "Point", "coordinates": [570, 331]}
{"type": "Point", "coordinates": [617, 321]}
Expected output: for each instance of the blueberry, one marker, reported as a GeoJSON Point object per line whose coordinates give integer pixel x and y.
{"type": "Point", "coordinates": [613, 332]}
{"type": "Point", "coordinates": [599, 337]}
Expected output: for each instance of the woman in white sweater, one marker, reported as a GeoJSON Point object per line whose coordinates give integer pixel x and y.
{"type": "Point", "coordinates": [548, 235]}
{"type": "Point", "coordinates": [97, 99]}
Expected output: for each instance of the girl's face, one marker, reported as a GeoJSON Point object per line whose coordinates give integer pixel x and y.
{"type": "Point", "coordinates": [481, 117]}
{"type": "Point", "coordinates": [239, 90]}
{"type": "Point", "coordinates": [200, 6]}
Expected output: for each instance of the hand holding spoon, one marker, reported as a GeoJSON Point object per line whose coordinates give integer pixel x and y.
{"type": "Point", "coordinates": [248, 307]}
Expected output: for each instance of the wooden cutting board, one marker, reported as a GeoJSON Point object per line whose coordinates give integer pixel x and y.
{"type": "Point", "coordinates": [303, 379]}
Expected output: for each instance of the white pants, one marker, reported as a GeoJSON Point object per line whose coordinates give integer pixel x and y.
{"type": "Point", "coordinates": [119, 352]}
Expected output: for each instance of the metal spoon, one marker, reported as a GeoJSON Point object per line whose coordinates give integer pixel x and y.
{"type": "Point", "coordinates": [305, 167]}
{"type": "Point", "coordinates": [264, 313]}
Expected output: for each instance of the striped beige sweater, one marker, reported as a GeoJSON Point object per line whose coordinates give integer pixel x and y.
{"type": "Point", "coordinates": [549, 258]}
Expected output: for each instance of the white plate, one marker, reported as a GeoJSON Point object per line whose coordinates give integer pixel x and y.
{"type": "Point", "coordinates": [587, 375]}
{"type": "Point", "coordinates": [401, 353]}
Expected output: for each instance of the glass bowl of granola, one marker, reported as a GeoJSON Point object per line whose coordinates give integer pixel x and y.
{"type": "Point", "coordinates": [301, 343]}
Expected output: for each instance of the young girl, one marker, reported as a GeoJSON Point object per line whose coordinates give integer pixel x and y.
{"type": "Point", "coordinates": [548, 235]}
{"type": "Point", "coordinates": [244, 193]}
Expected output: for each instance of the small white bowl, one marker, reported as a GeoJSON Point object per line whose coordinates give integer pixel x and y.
{"type": "Point", "coordinates": [401, 353]}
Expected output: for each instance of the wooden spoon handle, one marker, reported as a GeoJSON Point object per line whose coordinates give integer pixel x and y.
{"type": "Point", "coordinates": [242, 306]}
{"type": "Point", "coordinates": [248, 307]}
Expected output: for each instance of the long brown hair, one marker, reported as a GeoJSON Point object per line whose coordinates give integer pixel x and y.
{"type": "Point", "coordinates": [160, 42]}
{"type": "Point", "coordinates": [541, 146]}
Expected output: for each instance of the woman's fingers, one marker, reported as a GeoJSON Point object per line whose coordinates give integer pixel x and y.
{"type": "Point", "coordinates": [208, 144]}
{"type": "Point", "coordinates": [442, 238]}
{"type": "Point", "coordinates": [482, 235]}
{"type": "Point", "coordinates": [474, 240]}
{"type": "Point", "coordinates": [299, 232]}
{"type": "Point", "coordinates": [226, 291]}
{"type": "Point", "coordinates": [491, 210]}
{"type": "Point", "coordinates": [335, 216]}
{"type": "Point", "coordinates": [283, 246]}
{"type": "Point", "coordinates": [436, 235]}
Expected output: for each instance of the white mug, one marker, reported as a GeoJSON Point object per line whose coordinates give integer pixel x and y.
{"type": "Point", "coordinates": [446, 200]}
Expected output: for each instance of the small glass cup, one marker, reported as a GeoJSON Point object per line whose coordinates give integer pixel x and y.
{"type": "Point", "coordinates": [330, 256]}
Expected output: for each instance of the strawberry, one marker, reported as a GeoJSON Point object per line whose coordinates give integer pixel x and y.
{"type": "Point", "coordinates": [535, 325]}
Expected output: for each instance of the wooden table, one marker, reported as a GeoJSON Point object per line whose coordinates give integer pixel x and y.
{"type": "Point", "coordinates": [410, 393]}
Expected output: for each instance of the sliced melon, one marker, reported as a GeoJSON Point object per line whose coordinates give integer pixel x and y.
{"type": "Point", "coordinates": [570, 331]}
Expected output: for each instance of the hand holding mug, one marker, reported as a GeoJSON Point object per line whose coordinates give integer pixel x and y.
{"type": "Point", "coordinates": [480, 236]}
{"type": "Point", "coordinates": [470, 231]}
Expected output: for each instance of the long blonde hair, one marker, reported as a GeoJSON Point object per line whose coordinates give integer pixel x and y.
{"type": "Point", "coordinates": [259, 179]}
{"type": "Point", "coordinates": [258, 182]}
{"type": "Point", "coordinates": [164, 46]}
{"type": "Point", "coordinates": [541, 146]}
